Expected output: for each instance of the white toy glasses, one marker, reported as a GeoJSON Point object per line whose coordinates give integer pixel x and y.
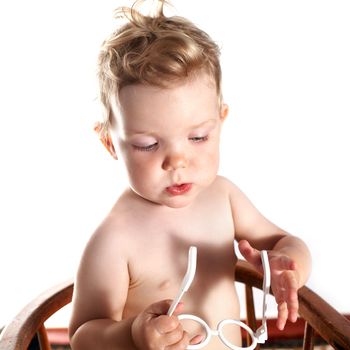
{"type": "Point", "coordinates": [260, 336]}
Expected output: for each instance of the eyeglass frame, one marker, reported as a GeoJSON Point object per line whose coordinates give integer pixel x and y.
{"type": "Point", "coordinates": [261, 334]}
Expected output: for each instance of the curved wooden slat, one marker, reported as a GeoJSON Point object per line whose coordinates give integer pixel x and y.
{"type": "Point", "coordinates": [19, 333]}
{"type": "Point", "coordinates": [308, 337]}
{"type": "Point", "coordinates": [250, 311]}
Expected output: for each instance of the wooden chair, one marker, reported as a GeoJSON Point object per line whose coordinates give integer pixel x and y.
{"type": "Point", "coordinates": [27, 330]}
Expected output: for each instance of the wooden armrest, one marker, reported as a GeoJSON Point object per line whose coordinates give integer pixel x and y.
{"type": "Point", "coordinates": [332, 326]}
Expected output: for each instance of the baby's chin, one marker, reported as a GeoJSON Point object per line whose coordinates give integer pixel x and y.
{"type": "Point", "coordinates": [178, 205]}
{"type": "Point", "coordinates": [176, 202]}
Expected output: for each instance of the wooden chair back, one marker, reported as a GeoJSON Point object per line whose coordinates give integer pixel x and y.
{"type": "Point", "coordinates": [27, 329]}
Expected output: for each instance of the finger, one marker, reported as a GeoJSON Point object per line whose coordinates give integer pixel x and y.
{"type": "Point", "coordinates": [159, 308]}
{"type": "Point", "coordinates": [282, 315]}
{"type": "Point", "coordinates": [288, 283]}
{"type": "Point", "coordinates": [288, 306]}
{"type": "Point", "coordinates": [174, 336]}
{"type": "Point", "coordinates": [280, 296]}
{"type": "Point", "coordinates": [287, 292]}
{"type": "Point", "coordinates": [288, 280]}
{"type": "Point", "coordinates": [293, 311]}
{"type": "Point", "coordinates": [251, 254]}
{"type": "Point", "coordinates": [181, 344]}
{"type": "Point", "coordinates": [197, 339]}
{"type": "Point", "coordinates": [292, 304]}
{"type": "Point", "coordinates": [165, 324]}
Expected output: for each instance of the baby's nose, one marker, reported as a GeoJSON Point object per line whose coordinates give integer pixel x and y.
{"type": "Point", "coordinates": [175, 161]}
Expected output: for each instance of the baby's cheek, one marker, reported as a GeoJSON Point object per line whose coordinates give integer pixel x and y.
{"type": "Point", "coordinates": [142, 174]}
{"type": "Point", "coordinates": [209, 162]}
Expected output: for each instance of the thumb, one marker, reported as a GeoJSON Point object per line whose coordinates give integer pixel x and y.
{"type": "Point", "coordinates": [159, 308]}
{"type": "Point", "coordinates": [251, 254]}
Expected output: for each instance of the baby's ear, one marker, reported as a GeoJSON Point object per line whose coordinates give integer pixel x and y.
{"type": "Point", "coordinates": [223, 111]}
{"type": "Point", "coordinates": [106, 139]}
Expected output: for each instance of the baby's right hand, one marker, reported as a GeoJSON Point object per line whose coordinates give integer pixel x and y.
{"type": "Point", "coordinates": [153, 329]}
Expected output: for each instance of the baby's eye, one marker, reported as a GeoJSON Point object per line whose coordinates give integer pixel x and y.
{"type": "Point", "coordinates": [146, 148]}
{"type": "Point", "coordinates": [197, 139]}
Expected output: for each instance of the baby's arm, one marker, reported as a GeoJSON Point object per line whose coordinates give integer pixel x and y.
{"type": "Point", "coordinates": [289, 256]}
{"type": "Point", "coordinates": [100, 294]}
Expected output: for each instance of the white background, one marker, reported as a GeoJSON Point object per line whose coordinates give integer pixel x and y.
{"type": "Point", "coordinates": [286, 142]}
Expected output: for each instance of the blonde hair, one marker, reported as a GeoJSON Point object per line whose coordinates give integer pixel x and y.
{"type": "Point", "coordinates": [154, 50]}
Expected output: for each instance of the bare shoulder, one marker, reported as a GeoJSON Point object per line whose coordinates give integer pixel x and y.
{"type": "Point", "coordinates": [227, 191]}
{"type": "Point", "coordinates": [225, 185]}
{"type": "Point", "coordinates": [109, 239]}
{"type": "Point", "coordinates": [117, 223]}
{"type": "Point", "coordinates": [250, 223]}
{"type": "Point", "coordinates": [235, 194]}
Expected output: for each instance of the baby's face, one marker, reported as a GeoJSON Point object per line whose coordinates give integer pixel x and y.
{"type": "Point", "coordinates": [169, 139]}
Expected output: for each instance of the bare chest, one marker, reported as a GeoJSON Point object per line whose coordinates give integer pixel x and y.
{"type": "Point", "coordinates": [159, 263]}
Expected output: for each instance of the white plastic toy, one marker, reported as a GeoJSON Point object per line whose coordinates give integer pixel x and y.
{"type": "Point", "coordinates": [187, 281]}
{"type": "Point", "coordinates": [260, 336]}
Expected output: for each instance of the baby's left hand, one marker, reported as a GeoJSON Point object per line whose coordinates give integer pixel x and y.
{"type": "Point", "coordinates": [284, 281]}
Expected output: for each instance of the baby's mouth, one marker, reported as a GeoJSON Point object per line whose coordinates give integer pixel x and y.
{"type": "Point", "coordinates": [179, 189]}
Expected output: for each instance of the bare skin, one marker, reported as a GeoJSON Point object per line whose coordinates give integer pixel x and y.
{"type": "Point", "coordinates": [135, 261]}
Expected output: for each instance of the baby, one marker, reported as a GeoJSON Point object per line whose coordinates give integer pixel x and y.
{"type": "Point", "coordinates": [160, 83]}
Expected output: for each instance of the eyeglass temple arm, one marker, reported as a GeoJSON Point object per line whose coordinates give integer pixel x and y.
{"type": "Point", "coordinates": [261, 332]}
{"type": "Point", "coordinates": [186, 282]}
